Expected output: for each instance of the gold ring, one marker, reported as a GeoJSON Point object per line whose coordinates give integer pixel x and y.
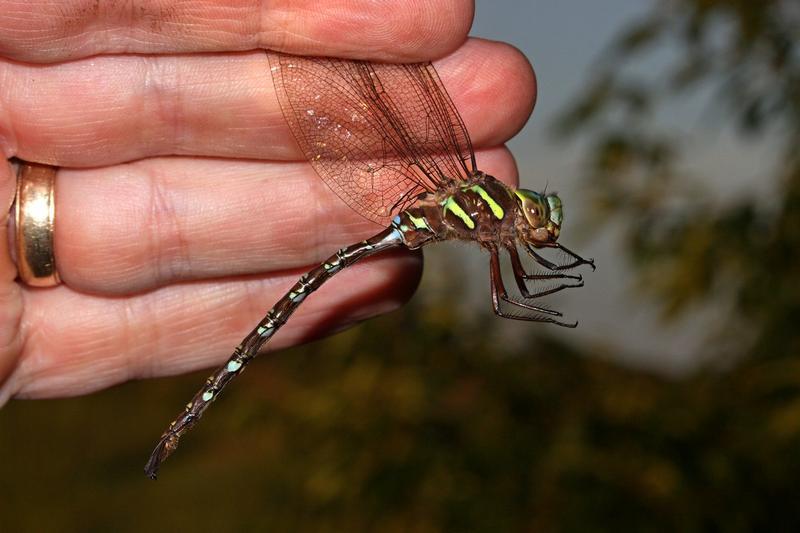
{"type": "Point", "coordinates": [34, 217]}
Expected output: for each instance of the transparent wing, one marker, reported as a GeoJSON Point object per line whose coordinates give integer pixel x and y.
{"type": "Point", "coordinates": [377, 134]}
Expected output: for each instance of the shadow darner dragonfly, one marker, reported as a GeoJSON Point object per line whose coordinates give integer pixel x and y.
{"type": "Point", "coordinates": [388, 141]}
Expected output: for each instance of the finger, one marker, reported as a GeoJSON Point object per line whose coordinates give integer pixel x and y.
{"type": "Point", "coordinates": [400, 30]}
{"type": "Point", "coordinates": [10, 294]}
{"type": "Point", "coordinates": [76, 343]}
{"type": "Point", "coordinates": [114, 109]}
{"type": "Point", "coordinates": [147, 224]}
{"type": "Point", "coordinates": [8, 187]}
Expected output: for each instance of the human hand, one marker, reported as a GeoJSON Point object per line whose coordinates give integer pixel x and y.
{"type": "Point", "coordinates": [184, 209]}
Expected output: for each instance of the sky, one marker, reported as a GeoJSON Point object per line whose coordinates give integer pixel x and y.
{"type": "Point", "coordinates": [563, 39]}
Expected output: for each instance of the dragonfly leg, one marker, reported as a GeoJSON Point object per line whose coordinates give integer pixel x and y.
{"type": "Point", "coordinates": [553, 266]}
{"type": "Point", "coordinates": [499, 294]}
{"type": "Point", "coordinates": [520, 276]}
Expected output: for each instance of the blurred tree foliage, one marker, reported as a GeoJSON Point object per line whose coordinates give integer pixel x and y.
{"type": "Point", "coordinates": [688, 249]}
{"type": "Point", "coordinates": [451, 427]}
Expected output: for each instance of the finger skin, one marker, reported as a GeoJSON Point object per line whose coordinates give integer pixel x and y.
{"type": "Point", "coordinates": [389, 30]}
{"type": "Point", "coordinates": [109, 110]}
{"type": "Point", "coordinates": [78, 343]}
{"type": "Point", "coordinates": [135, 227]}
{"type": "Point", "coordinates": [10, 291]}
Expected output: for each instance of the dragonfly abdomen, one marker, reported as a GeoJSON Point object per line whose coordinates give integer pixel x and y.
{"type": "Point", "coordinates": [249, 348]}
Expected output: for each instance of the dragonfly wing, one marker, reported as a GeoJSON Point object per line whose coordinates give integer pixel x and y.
{"type": "Point", "coordinates": [377, 134]}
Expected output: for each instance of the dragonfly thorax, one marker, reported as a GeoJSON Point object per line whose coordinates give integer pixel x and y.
{"type": "Point", "coordinates": [484, 210]}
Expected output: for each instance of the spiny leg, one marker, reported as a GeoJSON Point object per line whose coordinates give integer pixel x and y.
{"type": "Point", "coordinates": [252, 343]}
{"type": "Point", "coordinates": [553, 266]}
{"type": "Point", "coordinates": [499, 293]}
{"type": "Point", "coordinates": [520, 276]}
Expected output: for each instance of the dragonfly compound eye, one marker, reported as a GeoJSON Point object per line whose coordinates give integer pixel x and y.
{"type": "Point", "coordinates": [534, 207]}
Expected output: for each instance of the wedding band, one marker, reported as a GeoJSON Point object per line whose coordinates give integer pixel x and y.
{"type": "Point", "coordinates": [34, 217]}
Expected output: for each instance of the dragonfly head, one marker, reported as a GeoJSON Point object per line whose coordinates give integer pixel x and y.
{"type": "Point", "coordinates": [543, 214]}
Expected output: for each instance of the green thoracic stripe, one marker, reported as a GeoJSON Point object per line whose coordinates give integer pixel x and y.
{"type": "Point", "coordinates": [497, 211]}
{"type": "Point", "coordinates": [451, 205]}
{"type": "Point", "coordinates": [419, 223]}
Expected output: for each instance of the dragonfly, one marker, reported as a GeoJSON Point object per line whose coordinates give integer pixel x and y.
{"type": "Point", "coordinates": [388, 140]}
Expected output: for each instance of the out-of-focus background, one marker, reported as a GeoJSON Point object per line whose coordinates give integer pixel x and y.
{"type": "Point", "coordinates": [671, 130]}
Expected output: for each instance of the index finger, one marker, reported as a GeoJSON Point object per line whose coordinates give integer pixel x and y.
{"type": "Point", "coordinates": [392, 30]}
